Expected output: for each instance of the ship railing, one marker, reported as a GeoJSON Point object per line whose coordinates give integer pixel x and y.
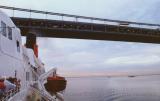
{"type": "Point", "coordinates": [43, 95]}
{"type": "Point", "coordinates": [22, 95]}
{"type": "Point", "coordinates": [19, 96]}
{"type": "Point", "coordinates": [41, 82]}
{"type": "Point", "coordinates": [7, 95]}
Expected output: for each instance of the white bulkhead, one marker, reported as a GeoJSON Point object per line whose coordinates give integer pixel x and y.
{"type": "Point", "coordinates": [19, 62]}
{"type": "Point", "coordinates": [11, 59]}
{"type": "Point", "coordinates": [16, 59]}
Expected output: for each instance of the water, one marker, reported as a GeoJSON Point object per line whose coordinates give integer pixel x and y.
{"type": "Point", "coordinates": [113, 89]}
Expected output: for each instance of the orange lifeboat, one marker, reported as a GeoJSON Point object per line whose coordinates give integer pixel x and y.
{"type": "Point", "coordinates": [55, 84]}
{"type": "Point", "coordinates": [2, 85]}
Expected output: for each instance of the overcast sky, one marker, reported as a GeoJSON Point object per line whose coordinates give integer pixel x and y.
{"type": "Point", "coordinates": [84, 57]}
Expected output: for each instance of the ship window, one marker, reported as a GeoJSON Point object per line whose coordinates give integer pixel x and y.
{"type": "Point", "coordinates": [3, 27]}
{"type": "Point", "coordinates": [18, 46]}
{"type": "Point", "coordinates": [27, 76]}
{"type": "Point", "coordinates": [10, 33]}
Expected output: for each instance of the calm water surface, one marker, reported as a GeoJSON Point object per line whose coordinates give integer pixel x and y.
{"type": "Point", "coordinates": [113, 89]}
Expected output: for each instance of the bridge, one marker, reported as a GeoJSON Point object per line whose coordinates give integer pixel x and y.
{"type": "Point", "coordinates": [114, 30]}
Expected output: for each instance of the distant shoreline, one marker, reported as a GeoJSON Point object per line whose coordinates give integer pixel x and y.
{"type": "Point", "coordinates": [112, 76]}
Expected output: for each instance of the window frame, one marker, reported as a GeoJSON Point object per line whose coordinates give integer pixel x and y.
{"type": "Point", "coordinates": [10, 33]}
{"type": "Point", "coordinates": [3, 26]}
{"type": "Point", "coordinates": [27, 76]}
{"type": "Point", "coordinates": [18, 46]}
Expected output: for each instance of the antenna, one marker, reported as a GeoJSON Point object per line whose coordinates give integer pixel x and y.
{"type": "Point", "coordinates": [15, 74]}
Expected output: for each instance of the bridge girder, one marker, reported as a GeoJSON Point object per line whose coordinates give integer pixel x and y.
{"type": "Point", "coordinates": [81, 30]}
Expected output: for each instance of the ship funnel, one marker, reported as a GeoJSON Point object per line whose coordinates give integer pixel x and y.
{"type": "Point", "coordinates": [31, 43]}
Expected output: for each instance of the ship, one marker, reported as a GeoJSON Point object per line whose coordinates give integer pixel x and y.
{"type": "Point", "coordinates": [22, 74]}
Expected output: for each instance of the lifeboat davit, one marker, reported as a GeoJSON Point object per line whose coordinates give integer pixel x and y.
{"type": "Point", "coordinates": [55, 84]}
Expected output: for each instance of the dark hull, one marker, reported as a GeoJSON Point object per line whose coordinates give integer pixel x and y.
{"type": "Point", "coordinates": [55, 85]}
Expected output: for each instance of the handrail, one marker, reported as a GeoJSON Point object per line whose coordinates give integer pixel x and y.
{"type": "Point", "coordinates": [40, 84]}
{"type": "Point", "coordinates": [19, 95]}
{"type": "Point", "coordinates": [9, 94]}
{"type": "Point", "coordinates": [25, 91]}
{"type": "Point", "coordinates": [43, 91]}
{"type": "Point", "coordinates": [44, 96]}
{"type": "Point", "coordinates": [78, 16]}
{"type": "Point", "coordinates": [42, 78]}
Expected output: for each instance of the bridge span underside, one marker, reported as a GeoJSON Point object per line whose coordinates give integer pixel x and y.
{"type": "Point", "coordinates": [81, 30]}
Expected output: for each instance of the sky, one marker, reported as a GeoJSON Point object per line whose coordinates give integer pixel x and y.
{"type": "Point", "coordinates": [89, 57]}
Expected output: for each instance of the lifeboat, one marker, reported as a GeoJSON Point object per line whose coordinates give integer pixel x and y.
{"type": "Point", "coordinates": [2, 85]}
{"type": "Point", "coordinates": [55, 84]}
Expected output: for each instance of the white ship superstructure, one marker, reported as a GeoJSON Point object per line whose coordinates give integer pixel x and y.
{"type": "Point", "coordinates": [21, 65]}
